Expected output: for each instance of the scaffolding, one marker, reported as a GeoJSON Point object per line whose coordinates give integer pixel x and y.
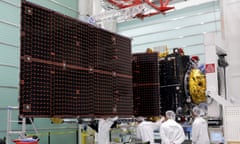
{"type": "Point", "coordinates": [10, 131]}
{"type": "Point", "coordinates": [123, 10]}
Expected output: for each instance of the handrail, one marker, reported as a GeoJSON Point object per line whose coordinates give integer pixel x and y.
{"type": "Point", "coordinates": [9, 107]}
{"type": "Point", "coordinates": [8, 65]}
{"type": "Point", "coordinates": [8, 44]}
{"type": "Point", "coordinates": [9, 23]}
{"type": "Point", "coordinates": [9, 3]}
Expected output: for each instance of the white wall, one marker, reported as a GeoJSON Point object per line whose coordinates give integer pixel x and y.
{"type": "Point", "coordinates": [231, 19]}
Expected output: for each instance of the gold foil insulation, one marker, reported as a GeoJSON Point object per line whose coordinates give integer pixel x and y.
{"type": "Point", "coordinates": [197, 86]}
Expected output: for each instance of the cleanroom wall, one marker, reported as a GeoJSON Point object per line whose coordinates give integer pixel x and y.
{"type": "Point", "coordinates": [10, 24]}
{"type": "Point", "coordinates": [9, 58]}
{"type": "Point", "coordinates": [183, 28]}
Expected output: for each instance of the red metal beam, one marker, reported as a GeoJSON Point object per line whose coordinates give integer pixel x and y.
{"type": "Point", "coordinates": [123, 4]}
{"type": "Point", "coordinates": [163, 5]}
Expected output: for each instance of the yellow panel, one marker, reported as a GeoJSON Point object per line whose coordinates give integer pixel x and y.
{"type": "Point", "coordinates": [197, 86]}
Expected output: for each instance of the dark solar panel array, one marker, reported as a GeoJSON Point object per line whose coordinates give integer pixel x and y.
{"type": "Point", "coordinates": [158, 84]}
{"type": "Point", "coordinates": [70, 68]}
{"type": "Point", "coordinates": [146, 85]}
{"type": "Point", "coordinates": [172, 72]}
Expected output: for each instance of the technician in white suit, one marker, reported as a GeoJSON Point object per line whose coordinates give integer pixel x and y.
{"type": "Point", "coordinates": [171, 132]}
{"type": "Point", "coordinates": [145, 129]}
{"type": "Point", "coordinates": [199, 128]}
{"type": "Point", "coordinates": [104, 126]}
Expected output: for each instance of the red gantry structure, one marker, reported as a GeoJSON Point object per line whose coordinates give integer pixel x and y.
{"type": "Point", "coordinates": [158, 7]}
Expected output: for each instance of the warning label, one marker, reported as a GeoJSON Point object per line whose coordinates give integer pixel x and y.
{"type": "Point", "coordinates": [210, 68]}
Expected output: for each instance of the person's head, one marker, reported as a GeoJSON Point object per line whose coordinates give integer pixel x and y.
{"type": "Point", "coordinates": [170, 114]}
{"type": "Point", "coordinates": [140, 119]}
{"type": "Point", "coordinates": [196, 111]}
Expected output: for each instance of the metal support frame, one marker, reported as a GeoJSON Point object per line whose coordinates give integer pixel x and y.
{"type": "Point", "coordinates": [9, 124]}
{"type": "Point", "coordinates": [124, 10]}
{"type": "Point", "coordinates": [214, 45]}
{"type": "Point", "coordinates": [10, 131]}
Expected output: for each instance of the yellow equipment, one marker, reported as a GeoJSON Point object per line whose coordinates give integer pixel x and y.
{"type": "Point", "coordinates": [197, 86]}
{"type": "Point", "coordinates": [56, 120]}
{"type": "Point", "coordinates": [163, 53]}
{"type": "Point", "coordinates": [149, 50]}
{"type": "Point", "coordinates": [87, 137]}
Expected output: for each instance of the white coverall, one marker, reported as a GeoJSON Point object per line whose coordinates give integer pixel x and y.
{"type": "Point", "coordinates": [145, 130]}
{"type": "Point", "coordinates": [104, 126]}
{"type": "Point", "coordinates": [200, 131]}
{"type": "Point", "coordinates": [171, 132]}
